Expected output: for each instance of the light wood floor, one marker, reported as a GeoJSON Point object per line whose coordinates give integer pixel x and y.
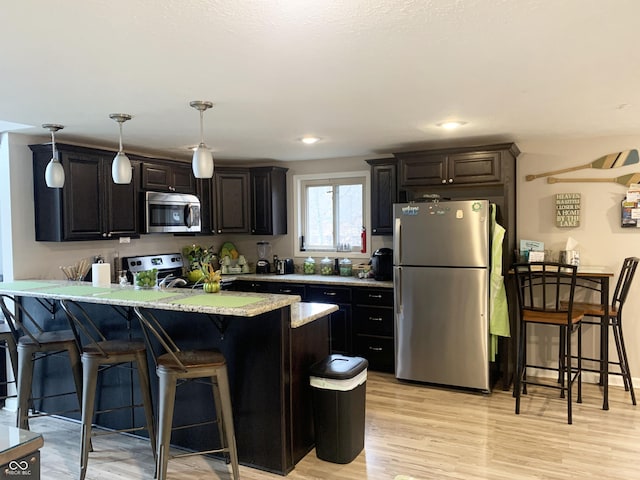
{"type": "Point", "coordinates": [412, 432]}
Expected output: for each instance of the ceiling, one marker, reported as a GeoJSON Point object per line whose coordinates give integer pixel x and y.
{"type": "Point", "coordinates": [367, 76]}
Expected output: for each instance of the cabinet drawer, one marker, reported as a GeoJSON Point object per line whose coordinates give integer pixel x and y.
{"type": "Point", "coordinates": [373, 320]}
{"type": "Point", "coordinates": [377, 350]}
{"type": "Point", "coordinates": [373, 296]}
{"type": "Point", "coordinates": [330, 294]}
{"type": "Point", "coordinates": [289, 289]}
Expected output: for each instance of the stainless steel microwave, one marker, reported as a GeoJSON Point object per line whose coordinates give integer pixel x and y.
{"type": "Point", "coordinates": [171, 213]}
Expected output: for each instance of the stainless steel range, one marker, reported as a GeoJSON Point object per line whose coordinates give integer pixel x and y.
{"type": "Point", "coordinates": [169, 266]}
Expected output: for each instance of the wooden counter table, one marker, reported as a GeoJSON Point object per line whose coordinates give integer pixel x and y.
{"type": "Point", "coordinates": [268, 340]}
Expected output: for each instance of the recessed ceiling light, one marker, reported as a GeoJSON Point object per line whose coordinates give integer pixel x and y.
{"type": "Point", "coordinates": [452, 124]}
{"type": "Point", "coordinates": [309, 140]}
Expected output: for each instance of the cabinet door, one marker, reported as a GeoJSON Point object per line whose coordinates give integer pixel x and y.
{"type": "Point", "coordinates": [232, 200]}
{"type": "Point", "coordinates": [183, 179]}
{"type": "Point", "coordinates": [83, 196]}
{"type": "Point", "coordinates": [121, 204]}
{"type": "Point", "coordinates": [419, 169]}
{"type": "Point", "coordinates": [340, 320]}
{"type": "Point", "coordinates": [474, 167]}
{"type": "Point", "coordinates": [167, 177]}
{"type": "Point", "coordinates": [384, 193]}
{"type": "Point", "coordinates": [268, 201]}
{"type": "Point", "coordinates": [156, 177]}
{"type": "Point", "coordinates": [204, 190]}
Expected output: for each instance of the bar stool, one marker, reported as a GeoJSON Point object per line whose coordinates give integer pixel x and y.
{"type": "Point", "coordinates": [545, 296]}
{"type": "Point", "coordinates": [614, 321]}
{"type": "Point", "coordinates": [175, 365]}
{"type": "Point", "coordinates": [8, 344]}
{"type": "Point", "coordinates": [34, 343]}
{"type": "Point", "coordinates": [98, 355]}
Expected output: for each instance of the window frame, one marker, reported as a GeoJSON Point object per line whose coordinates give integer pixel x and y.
{"type": "Point", "coordinates": [299, 183]}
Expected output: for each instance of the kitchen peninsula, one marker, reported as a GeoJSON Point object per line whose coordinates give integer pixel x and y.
{"type": "Point", "coordinates": [269, 342]}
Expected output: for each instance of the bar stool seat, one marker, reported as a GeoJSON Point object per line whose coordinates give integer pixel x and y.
{"type": "Point", "coordinates": [175, 365]}
{"type": "Point", "coordinates": [99, 353]}
{"type": "Point", "coordinates": [35, 343]}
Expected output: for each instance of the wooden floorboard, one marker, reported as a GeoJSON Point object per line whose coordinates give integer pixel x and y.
{"type": "Point", "coordinates": [412, 432]}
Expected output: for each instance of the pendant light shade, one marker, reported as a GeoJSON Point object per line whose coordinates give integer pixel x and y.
{"type": "Point", "coordinates": [121, 166]}
{"type": "Point", "coordinates": [54, 173]}
{"type": "Point", "coordinates": [202, 163]}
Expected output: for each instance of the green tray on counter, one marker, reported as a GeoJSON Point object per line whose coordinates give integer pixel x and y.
{"type": "Point", "coordinates": [142, 295]}
{"type": "Point", "coordinates": [74, 290]}
{"type": "Point", "coordinates": [20, 285]}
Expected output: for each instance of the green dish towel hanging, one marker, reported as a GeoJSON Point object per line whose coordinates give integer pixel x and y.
{"type": "Point", "coordinates": [498, 307]}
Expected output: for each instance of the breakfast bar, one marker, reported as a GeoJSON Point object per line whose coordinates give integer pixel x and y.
{"type": "Point", "coordinates": [268, 340]}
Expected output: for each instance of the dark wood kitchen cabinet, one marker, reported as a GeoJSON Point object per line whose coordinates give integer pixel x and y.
{"type": "Point", "coordinates": [384, 193]}
{"type": "Point", "coordinates": [373, 327]}
{"type": "Point", "coordinates": [341, 341]}
{"type": "Point", "coordinates": [89, 206]}
{"type": "Point", "coordinates": [168, 177]}
{"type": "Point", "coordinates": [231, 200]}
{"type": "Point", "coordinates": [268, 201]}
{"type": "Point", "coordinates": [447, 167]}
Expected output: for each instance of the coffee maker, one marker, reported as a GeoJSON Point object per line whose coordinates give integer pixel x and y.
{"type": "Point", "coordinates": [382, 264]}
{"type": "Point", "coordinates": [264, 252]}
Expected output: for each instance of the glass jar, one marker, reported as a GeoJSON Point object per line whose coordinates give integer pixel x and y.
{"type": "Point", "coordinates": [326, 266]}
{"type": "Point", "coordinates": [309, 266]}
{"type": "Point", "coordinates": [345, 268]}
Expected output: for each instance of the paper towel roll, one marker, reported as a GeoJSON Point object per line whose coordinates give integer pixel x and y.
{"type": "Point", "coordinates": [101, 274]}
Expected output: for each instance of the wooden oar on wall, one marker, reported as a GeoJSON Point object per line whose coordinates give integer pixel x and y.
{"type": "Point", "coordinates": [625, 180]}
{"type": "Point", "coordinates": [613, 160]}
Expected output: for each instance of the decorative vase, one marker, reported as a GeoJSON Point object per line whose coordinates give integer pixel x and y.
{"type": "Point", "coordinates": [211, 287]}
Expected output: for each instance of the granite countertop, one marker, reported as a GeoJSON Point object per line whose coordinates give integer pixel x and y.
{"type": "Point", "coordinates": [306, 312]}
{"type": "Point", "coordinates": [242, 304]}
{"type": "Point", "coordinates": [312, 279]}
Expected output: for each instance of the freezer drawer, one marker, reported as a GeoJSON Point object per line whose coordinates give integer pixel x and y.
{"type": "Point", "coordinates": [442, 332]}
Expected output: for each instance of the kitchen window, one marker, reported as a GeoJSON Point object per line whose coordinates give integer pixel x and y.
{"type": "Point", "coordinates": [331, 211]}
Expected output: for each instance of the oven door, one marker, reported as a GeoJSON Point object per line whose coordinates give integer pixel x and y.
{"type": "Point", "coordinates": [171, 213]}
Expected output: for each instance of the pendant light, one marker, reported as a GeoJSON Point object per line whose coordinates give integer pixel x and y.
{"type": "Point", "coordinates": [121, 166]}
{"type": "Point", "coordinates": [54, 173]}
{"type": "Point", "coordinates": [202, 163]}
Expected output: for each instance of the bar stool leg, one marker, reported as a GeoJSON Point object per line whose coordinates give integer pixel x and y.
{"type": "Point", "coordinates": [217, 400]}
{"type": "Point", "coordinates": [167, 388]}
{"type": "Point", "coordinates": [90, 381]}
{"type": "Point", "coordinates": [622, 357]}
{"type": "Point", "coordinates": [76, 369]}
{"type": "Point", "coordinates": [25, 377]}
{"type": "Point", "coordinates": [145, 390]}
{"type": "Point", "coordinates": [227, 417]}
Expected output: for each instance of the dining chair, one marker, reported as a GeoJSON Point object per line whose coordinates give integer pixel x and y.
{"type": "Point", "coordinates": [100, 354]}
{"type": "Point", "coordinates": [545, 292]}
{"type": "Point", "coordinates": [174, 366]}
{"type": "Point", "coordinates": [35, 343]}
{"type": "Point", "coordinates": [595, 313]}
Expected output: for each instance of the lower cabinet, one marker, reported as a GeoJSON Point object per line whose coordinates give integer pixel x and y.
{"type": "Point", "coordinates": [373, 327]}
{"type": "Point", "coordinates": [362, 325]}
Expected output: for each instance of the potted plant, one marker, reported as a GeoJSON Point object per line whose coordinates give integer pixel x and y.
{"type": "Point", "coordinates": [210, 278]}
{"type": "Point", "coordinates": [197, 256]}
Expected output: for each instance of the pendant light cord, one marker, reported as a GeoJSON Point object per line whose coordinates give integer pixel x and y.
{"type": "Point", "coordinates": [54, 153]}
{"type": "Point", "coordinates": [202, 127]}
{"type": "Point", "coordinates": [120, 124]}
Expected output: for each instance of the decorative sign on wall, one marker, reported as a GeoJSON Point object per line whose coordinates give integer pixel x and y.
{"type": "Point", "coordinates": [567, 210]}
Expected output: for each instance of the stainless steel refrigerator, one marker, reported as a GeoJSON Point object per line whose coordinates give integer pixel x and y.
{"type": "Point", "coordinates": [441, 288]}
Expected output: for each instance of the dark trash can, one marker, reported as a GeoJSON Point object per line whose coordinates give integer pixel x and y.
{"type": "Point", "coordinates": [338, 384]}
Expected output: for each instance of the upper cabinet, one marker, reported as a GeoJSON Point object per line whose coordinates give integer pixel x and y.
{"type": "Point", "coordinates": [384, 193]}
{"type": "Point", "coordinates": [89, 206]}
{"type": "Point", "coordinates": [168, 177]}
{"type": "Point", "coordinates": [268, 201]}
{"type": "Point", "coordinates": [463, 166]}
{"type": "Point", "coordinates": [231, 200]}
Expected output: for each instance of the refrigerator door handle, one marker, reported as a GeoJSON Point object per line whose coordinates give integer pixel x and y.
{"type": "Point", "coordinates": [396, 242]}
{"type": "Point", "coordinates": [397, 289]}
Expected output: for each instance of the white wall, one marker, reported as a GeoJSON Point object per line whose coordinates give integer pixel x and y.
{"type": "Point", "coordinates": [602, 241]}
